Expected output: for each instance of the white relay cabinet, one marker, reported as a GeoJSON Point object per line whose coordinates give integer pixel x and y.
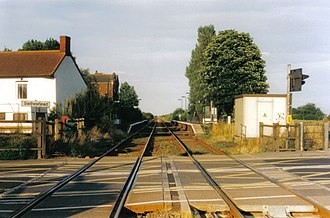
{"type": "Point", "coordinates": [251, 109]}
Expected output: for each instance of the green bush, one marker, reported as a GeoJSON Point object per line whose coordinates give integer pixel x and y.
{"type": "Point", "coordinates": [89, 143]}
{"type": "Point", "coordinates": [20, 147]}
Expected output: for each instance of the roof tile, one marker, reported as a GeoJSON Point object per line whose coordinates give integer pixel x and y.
{"type": "Point", "coordinates": [29, 63]}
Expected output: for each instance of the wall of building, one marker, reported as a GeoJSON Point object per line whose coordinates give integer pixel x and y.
{"type": "Point", "coordinates": [238, 115]}
{"type": "Point", "coordinates": [38, 89]}
{"type": "Point", "coordinates": [69, 81]}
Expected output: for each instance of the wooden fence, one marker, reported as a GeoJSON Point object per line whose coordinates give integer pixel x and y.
{"type": "Point", "coordinates": [316, 135]}
{"type": "Point", "coordinates": [298, 136]}
{"type": "Point", "coordinates": [280, 137]}
{"type": "Point", "coordinates": [35, 128]}
{"type": "Point", "coordinates": [45, 132]}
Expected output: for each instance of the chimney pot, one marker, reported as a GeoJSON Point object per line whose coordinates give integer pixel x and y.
{"type": "Point", "coordinates": [65, 44]}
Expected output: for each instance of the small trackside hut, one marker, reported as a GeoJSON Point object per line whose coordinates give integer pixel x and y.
{"type": "Point", "coordinates": [253, 109]}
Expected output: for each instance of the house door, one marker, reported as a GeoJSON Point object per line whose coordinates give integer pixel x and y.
{"type": "Point", "coordinates": [38, 113]}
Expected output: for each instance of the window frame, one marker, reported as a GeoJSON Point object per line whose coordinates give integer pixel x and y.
{"type": "Point", "coordinates": [22, 89]}
{"type": "Point", "coordinates": [21, 116]}
{"type": "Point", "coordinates": [2, 115]}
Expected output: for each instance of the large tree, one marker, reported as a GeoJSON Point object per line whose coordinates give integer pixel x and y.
{"type": "Point", "coordinates": [232, 66]}
{"type": "Point", "coordinates": [307, 112]}
{"type": "Point", "coordinates": [129, 101]}
{"type": "Point", "coordinates": [32, 44]}
{"type": "Point", "coordinates": [127, 96]}
{"type": "Point", "coordinates": [193, 71]}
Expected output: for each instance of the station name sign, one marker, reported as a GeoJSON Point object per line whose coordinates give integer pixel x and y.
{"type": "Point", "coordinates": [35, 103]}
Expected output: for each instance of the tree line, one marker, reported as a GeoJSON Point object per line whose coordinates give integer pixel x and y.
{"type": "Point", "coordinates": [308, 112]}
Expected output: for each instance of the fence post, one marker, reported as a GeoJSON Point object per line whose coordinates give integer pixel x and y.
{"type": "Point", "coordinates": [297, 136]}
{"type": "Point", "coordinates": [43, 137]}
{"type": "Point", "coordinates": [79, 127]}
{"type": "Point", "coordinates": [38, 124]}
{"type": "Point", "coordinates": [56, 130]}
{"type": "Point", "coordinates": [287, 141]}
{"type": "Point", "coordinates": [275, 137]}
{"type": "Point", "coordinates": [301, 136]}
{"type": "Point", "coordinates": [326, 135]}
{"type": "Point", "coordinates": [261, 133]}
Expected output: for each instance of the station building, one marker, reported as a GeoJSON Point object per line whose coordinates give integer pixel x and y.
{"type": "Point", "coordinates": [32, 82]}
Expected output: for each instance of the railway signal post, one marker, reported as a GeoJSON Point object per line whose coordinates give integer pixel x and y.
{"type": "Point", "coordinates": [295, 81]}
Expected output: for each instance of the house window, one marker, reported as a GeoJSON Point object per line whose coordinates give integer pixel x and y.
{"type": "Point", "coordinates": [2, 116]}
{"type": "Point", "coordinates": [22, 91]}
{"type": "Point", "coordinates": [20, 116]}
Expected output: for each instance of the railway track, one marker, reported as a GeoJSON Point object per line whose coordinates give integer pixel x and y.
{"type": "Point", "coordinates": [234, 210]}
{"type": "Point", "coordinates": [169, 173]}
{"type": "Point", "coordinates": [47, 193]}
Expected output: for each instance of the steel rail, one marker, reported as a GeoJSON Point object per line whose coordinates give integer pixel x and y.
{"type": "Point", "coordinates": [121, 199]}
{"type": "Point", "coordinates": [41, 197]}
{"type": "Point", "coordinates": [322, 210]}
{"type": "Point", "coordinates": [234, 210]}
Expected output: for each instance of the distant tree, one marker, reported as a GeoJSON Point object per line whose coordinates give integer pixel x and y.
{"type": "Point", "coordinates": [307, 112]}
{"type": "Point", "coordinates": [6, 49]}
{"type": "Point", "coordinates": [198, 92]}
{"type": "Point", "coordinates": [127, 96]}
{"type": "Point", "coordinates": [51, 44]}
{"type": "Point", "coordinates": [128, 101]}
{"type": "Point", "coordinates": [148, 115]}
{"type": "Point", "coordinates": [85, 73]}
{"type": "Point", "coordinates": [179, 114]}
{"type": "Point", "coordinates": [232, 66]}
{"type": "Point", "coordinates": [32, 44]}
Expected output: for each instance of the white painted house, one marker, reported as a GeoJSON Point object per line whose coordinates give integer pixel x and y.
{"type": "Point", "coordinates": [32, 82]}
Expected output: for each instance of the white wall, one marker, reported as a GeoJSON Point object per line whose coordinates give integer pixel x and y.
{"type": "Point", "coordinates": [68, 80]}
{"type": "Point", "coordinates": [39, 89]}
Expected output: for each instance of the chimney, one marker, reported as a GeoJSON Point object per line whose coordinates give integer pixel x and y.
{"type": "Point", "coordinates": [65, 44]}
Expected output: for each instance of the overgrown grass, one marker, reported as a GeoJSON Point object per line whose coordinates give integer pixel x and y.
{"type": "Point", "coordinates": [88, 143]}
{"type": "Point", "coordinates": [18, 147]}
{"type": "Point", "coordinates": [221, 136]}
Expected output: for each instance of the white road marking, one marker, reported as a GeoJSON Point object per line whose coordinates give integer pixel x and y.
{"type": "Point", "coordinates": [263, 197]}
{"type": "Point", "coordinates": [72, 208]}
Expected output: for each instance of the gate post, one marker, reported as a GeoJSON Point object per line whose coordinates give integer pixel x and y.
{"type": "Point", "coordinates": [287, 141]}
{"type": "Point", "coordinates": [56, 130]}
{"type": "Point", "coordinates": [38, 132]}
{"type": "Point", "coordinates": [261, 133]}
{"type": "Point", "coordinates": [41, 133]}
{"type": "Point", "coordinates": [275, 137]}
{"type": "Point", "coordinates": [301, 136]}
{"type": "Point", "coordinates": [43, 137]}
{"type": "Point", "coordinates": [297, 136]}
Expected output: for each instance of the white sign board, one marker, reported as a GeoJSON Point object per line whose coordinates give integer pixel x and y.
{"type": "Point", "coordinates": [25, 103]}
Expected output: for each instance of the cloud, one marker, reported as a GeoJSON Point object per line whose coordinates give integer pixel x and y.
{"type": "Point", "coordinates": [149, 42]}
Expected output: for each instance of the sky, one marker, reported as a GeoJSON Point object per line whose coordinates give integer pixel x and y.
{"type": "Point", "coordinates": [148, 43]}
